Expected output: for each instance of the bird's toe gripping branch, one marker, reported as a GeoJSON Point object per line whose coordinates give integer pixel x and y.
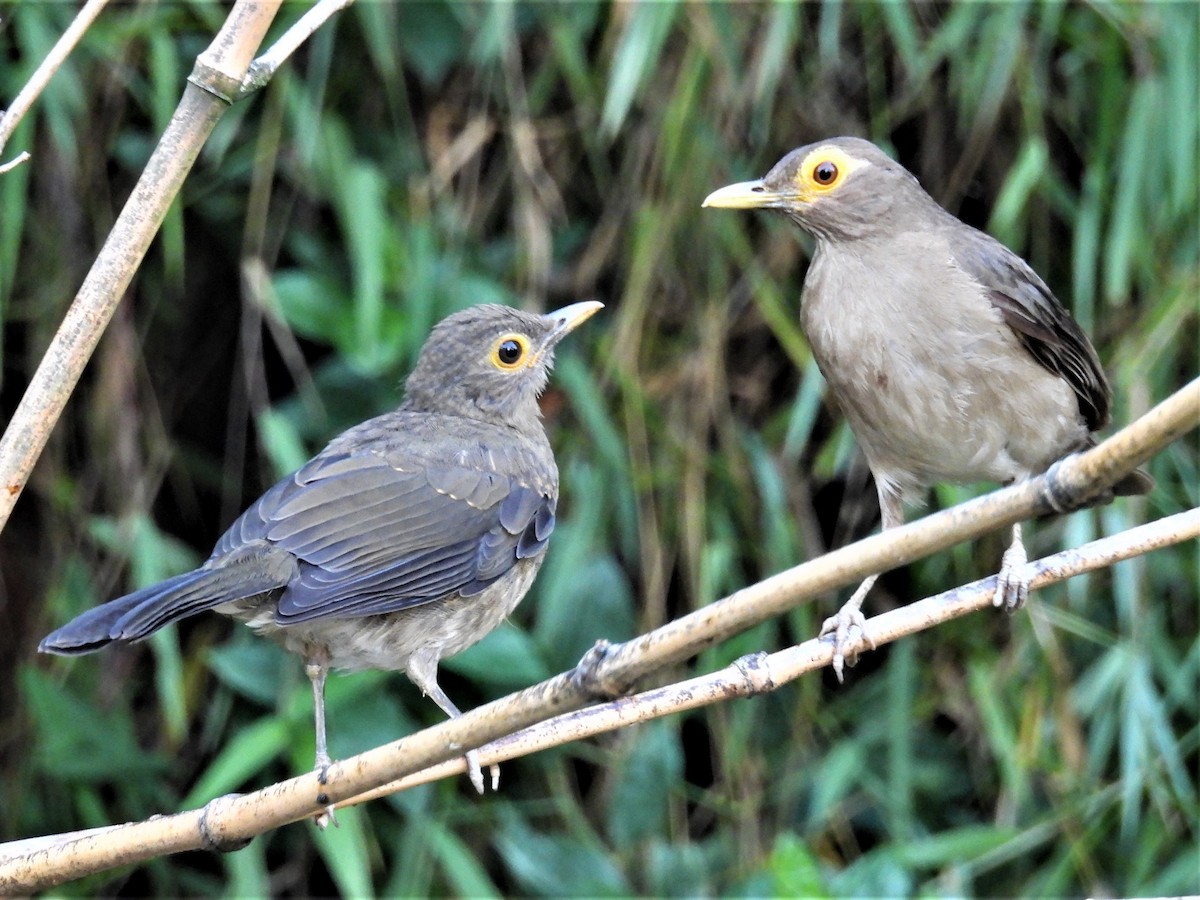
{"type": "Point", "coordinates": [1064, 492]}
{"type": "Point", "coordinates": [591, 680]}
{"type": "Point", "coordinates": [848, 630]}
{"type": "Point", "coordinates": [1013, 582]}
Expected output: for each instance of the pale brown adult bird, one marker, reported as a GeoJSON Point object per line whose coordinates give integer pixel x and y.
{"type": "Point", "coordinates": [404, 541]}
{"type": "Point", "coordinates": [949, 356]}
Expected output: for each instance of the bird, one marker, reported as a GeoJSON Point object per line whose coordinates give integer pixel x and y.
{"type": "Point", "coordinates": [405, 540]}
{"type": "Point", "coordinates": [950, 358]}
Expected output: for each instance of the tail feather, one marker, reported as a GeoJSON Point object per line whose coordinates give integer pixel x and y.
{"type": "Point", "coordinates": [138, 615]}
{"type": "Point", "coordinates": [90, 631]}
{"type": "Point", "coordinates": [1136, 482]}
{"type": "Point", "coordinates": [191, 595]}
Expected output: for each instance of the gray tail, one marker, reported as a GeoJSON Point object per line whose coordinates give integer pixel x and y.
{"type": "Point", "coordinates": [140, 614]}
{"type": "Point", "coordinates": [1136, 482]}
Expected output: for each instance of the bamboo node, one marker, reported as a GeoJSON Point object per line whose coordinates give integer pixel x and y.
{"type": "Point", "coordinates": [755, 669]}
{"type": "Point", "coordinates": [215, 82]}
{"type": "Point", "coordinates": [212, 841]}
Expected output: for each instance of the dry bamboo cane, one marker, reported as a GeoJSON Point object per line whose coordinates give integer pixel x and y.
{"type": "Point", "coordinates": [214, 84]}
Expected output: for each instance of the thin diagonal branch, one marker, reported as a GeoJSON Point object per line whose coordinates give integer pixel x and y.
{"type": "Point", "coordinates": [222, 64]}
{"type": "Point", "coordinates": [23, 156]}
{"type": "Point", "coordinates": [763, 672]}
{"type": "Point", "coordinates": [263, 68]}
{"type": "Point", "coordinates": [41, 77]}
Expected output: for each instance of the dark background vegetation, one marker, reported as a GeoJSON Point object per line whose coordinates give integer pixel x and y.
{"type": "Point", "coordinates": [417, 158]}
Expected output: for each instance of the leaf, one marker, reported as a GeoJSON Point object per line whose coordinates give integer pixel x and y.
{"type": "Point", "coordinates": [77, 741]}
{"type": "Point", "coordinates": [581, 602]}
{"type": "Point", "coordinates": [430, 36]}
{"type": "Point", "coordinates": [793, 868]}
{"type": "Point", "coordinates": [345, 851]}
{"type": "Point", "coordinates": [282, 442]}
{"type": "Point", "coordinates": [250, 666]}
{"type": "Point", "coordinates": [949, 847]}
{"type": "Point", "coordinates": [506, 660]}
{"type": "Point", "coordinates": [246, 872]}
{"type": "Point", "coordinates": [243, 757]}
{"type": "Point", "coordinates": [641, 43]}
{"type": "Point", "coordinates": [554, 865]}
{"type": "Point", "coordinates": [1028, 169]}
{"type": "Point", "coordinates": [464, 872]}
{"type": "Point", "coordinates": [652, 759]}
{"type": "Point", "coordinates": [313, 304]}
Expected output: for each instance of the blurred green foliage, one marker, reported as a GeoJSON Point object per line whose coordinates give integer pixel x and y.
{"type": "Point", "coordinates": [419, 157]}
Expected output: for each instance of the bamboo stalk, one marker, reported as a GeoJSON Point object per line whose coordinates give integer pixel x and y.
{"type": "Point", "coordinates": [41, 77]}
{"type": "Point", "coordinates": [204, 100]}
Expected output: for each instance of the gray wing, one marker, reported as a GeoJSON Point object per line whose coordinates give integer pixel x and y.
{"type": "Point", "coordinates": [374, 535]}
{"type": "Point", "coordinates": [1040, 322]}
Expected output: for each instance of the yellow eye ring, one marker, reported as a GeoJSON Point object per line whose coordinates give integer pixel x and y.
{"type": "Point", "coordinates": [510, 351]}
{"type": "Point", "coordinates": [824, 170]}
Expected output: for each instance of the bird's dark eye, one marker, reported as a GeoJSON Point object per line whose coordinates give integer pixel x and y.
{"type": "Point", "coordinates": [509, 351]}
{"type": "Point", "coordinates": [825, 173]}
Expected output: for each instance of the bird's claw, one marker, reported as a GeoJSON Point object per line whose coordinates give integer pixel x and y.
{"type": "Point", "coordinates": [328, 815]}
{"type": "Point", "coordinates": [846, 643]}
{"type": "Point", "coordinates": [1012, 584]}
{"type": "Point", "coordinates": [475, 772]}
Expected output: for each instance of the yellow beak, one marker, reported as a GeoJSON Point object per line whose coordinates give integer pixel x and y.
{"type": "Point", "coordinates": [743, 195]}
{"type": "Point", "coordinates": [571, 317]}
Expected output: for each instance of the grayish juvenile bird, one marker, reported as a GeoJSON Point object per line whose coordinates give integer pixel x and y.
{"type": "Point", "coordinates": [407, 539]}
{"type": "Point", "coordinates": [950, 357]}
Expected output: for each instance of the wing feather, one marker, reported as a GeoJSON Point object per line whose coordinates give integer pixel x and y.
{"type": "Point", "coordinates": [375, 534]}
{"type": "Point", "coordinates": [1042, 325]}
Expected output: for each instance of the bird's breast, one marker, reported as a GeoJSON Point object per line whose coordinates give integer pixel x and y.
{"type": "Point", "coordinates": [935, 386]}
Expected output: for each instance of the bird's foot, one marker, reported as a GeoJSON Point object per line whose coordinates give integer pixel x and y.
{"type": "Point", "coordinates": [1012, 584]}
{"type": "Point", "coordinates": [848, 628]}
{"type": "Point", "coordinates": [475, 772]}
{"type": "Point", "coordinates": [328, 815]}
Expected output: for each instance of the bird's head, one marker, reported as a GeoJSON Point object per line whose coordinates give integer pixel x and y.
{"type": "Point", "coordinates": [837, 189]}
{"type": "Point", "coordinates": [491, 362]}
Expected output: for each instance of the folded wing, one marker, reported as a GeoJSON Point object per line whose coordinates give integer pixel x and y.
{"type": "Point", "coordinates": [375, 535]}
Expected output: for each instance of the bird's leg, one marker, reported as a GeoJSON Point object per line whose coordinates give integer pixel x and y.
{"type": "Point", "coordinates": [316, 674]}
{"type": "Point", "coordinates": [1012, 584]}
{"type": "Point", "coordinates": [842, 625]}
{"type": "Point", "coordinates": [422, 671]}
{"type": "Point", "coordinates": [316, 668]}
